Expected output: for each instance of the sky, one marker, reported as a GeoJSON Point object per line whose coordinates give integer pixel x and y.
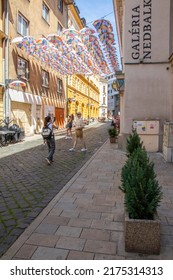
{"type": "Point", "coordinates": [96, 9]}
{"type": "Point", "coordinates": [92, 10]}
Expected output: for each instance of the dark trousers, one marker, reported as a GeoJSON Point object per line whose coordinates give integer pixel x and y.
{"type": "Point", "coordinates": [51, 147]}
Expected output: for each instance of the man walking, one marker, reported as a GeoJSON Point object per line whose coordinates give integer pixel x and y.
{"type": "Point", "coordinates": [78, 124]}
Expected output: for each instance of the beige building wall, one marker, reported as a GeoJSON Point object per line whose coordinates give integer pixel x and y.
{"type": "Point", "coordinates": [48, 99]}
{"type": "Point", "coordinates": [148, 75]}
{"type": "Point", "coordinates": [2, 38]}
{"type": "Point", "coordinates": [82, 90]}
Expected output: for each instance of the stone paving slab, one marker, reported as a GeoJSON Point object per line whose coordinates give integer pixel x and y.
{"type": "Point", "coordinates": [87, 230]}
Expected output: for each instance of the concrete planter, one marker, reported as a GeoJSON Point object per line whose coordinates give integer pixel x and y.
{"type": "Point", "coordinates": [112, 139]}
{"type": "Point", "coordinates": [142, 236]}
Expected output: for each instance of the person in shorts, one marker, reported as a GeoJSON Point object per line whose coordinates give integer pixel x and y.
{"type": "Point", "coordinates": [78, 124]}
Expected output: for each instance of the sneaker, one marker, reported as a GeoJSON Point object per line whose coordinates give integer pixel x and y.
{"type": "Point", "coordinates": [70, 137]}
{"type": "Point", "coordinates": [72, 149]}
{"type": "Point", "coordinates": [48, 161]}
{"type": "Point", "coordinates": [83, 149]}
{"type": "Point", "coordinates": [66, 137]}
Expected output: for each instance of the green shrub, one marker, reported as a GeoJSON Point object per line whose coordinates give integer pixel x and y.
{"type": "Point", "coordinates": [133, 142]}
{"type": "Point", "coordinates": [142, 191]}
{"type": "Point", "coordinates": [112, 132]}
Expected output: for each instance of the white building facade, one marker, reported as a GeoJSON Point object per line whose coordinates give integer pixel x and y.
{"type": "Point", "coordinates": [113, 96]}
{"type": "Point", "coordinates": [103, 104]}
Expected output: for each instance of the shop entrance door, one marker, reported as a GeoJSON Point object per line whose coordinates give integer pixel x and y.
{"type": "Point", "coordinates": [59, 115]}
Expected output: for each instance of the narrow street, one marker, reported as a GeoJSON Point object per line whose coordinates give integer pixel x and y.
{"type": "Point", "coordinates": [27, 183]}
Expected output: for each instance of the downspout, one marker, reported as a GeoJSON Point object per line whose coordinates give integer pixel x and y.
{"type": "Point", "coordinates": [3, 55]}
{"type": "Point", "coordinates": [5, 59]}
{"type": "Point", "coordinates": [67, 102]}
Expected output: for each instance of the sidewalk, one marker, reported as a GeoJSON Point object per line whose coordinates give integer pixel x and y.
{"type": "Point", "coordinates": [85, 219]}
{"type": "Point", "coordinates": [33, 141]}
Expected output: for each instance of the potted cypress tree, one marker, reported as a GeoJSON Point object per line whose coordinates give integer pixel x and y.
{"type": "Point", "coordinates": [142, 195]}
{"type": "Point", "coordinates": [133, 142]}
{"type": "Point", "coordinates": [112, 134]}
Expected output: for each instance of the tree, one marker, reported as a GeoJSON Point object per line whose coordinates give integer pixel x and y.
{"type": "Point", "coordinates": [133, 142]}
{"type": "Point", "coordinates": [142, 190]}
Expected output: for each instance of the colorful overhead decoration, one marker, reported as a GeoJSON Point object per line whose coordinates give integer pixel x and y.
{"type": "Point", "coordinates": [103, 26]}
{"type": "Point", "coordinates": [76, 52]}
{"type": "Point", "coordinates": [17, 83]}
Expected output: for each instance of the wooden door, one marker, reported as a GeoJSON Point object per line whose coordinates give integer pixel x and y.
{"type": "Point", "coordinates": [59, 115]}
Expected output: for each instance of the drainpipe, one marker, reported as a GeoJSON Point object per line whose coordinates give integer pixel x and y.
{"type": "Point", "coordinates": [67, 75]}
{"type": "Point", "coordinates": [5, 59]}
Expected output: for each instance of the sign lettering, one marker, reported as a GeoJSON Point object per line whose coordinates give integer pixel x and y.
{"type": "Point", "coordinates": [141, 36]}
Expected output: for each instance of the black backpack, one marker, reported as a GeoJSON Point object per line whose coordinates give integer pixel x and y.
{"type": "Point", "coordinates": [46, 132]}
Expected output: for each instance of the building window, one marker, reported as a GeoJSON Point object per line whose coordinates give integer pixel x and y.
{"type": "Point", "coordinates": [45, 12]}
{"type": "Point", "coordinates": [22, 26]}
{"type": "Point", "coordinates": [60, 5]}
{"type": "Point", "coordinates": [104, 100]}
{"type": "Point", "coordinates": [59, 29]}
{"type": "Point", "coordinates": [45, 79]}
{"type": "Point", "coordinates": [22, 68]}
{"type": "Point", "coordinates": [104, 89]}
{"type": "Point", "coordinates": [59, 86]}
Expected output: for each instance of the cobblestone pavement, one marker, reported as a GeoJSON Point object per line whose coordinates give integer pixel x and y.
{"type": "Point", "coordinates": [85, 220]}
{"type": "Point", "coordinates": [27, 183]}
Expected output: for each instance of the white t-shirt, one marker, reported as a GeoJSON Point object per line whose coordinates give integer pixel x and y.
{"type": "Point", "coordinates": [50, 126]}
{"type": "Point", "coordinates": [78, 123]}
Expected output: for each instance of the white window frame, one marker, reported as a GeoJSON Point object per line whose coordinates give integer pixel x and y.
{"type": "Point", "coordinates": [60, 5]}
{"type": "Point", "coordinates": [59, 29]}
{"type": "Point", "coordinates": [22, 68]}
{"type": "Point", "coordinates": [59, 86]}
{"type": "Point", "coordinates": [45, 78]}
{"type": "Point", "coordinates": [22, 25]}
{"type": "Point", "coordinates": [45, 12]}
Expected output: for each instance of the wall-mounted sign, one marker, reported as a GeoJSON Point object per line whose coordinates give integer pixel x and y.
{"type": "Point", "coordinates": [141, 22]}
{"type": "Point", "coordinates": [114, 85]}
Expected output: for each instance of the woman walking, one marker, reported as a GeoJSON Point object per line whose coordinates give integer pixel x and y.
{"type": "Point", "coordinates": [50, 140]}
{"type": "Point", "coordinates": [69, 127]}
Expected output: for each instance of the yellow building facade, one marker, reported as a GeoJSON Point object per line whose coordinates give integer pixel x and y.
{"type": "Point", "coordinates": [82, 90]}
{"type": "Point", "coordinates": [83, 96]}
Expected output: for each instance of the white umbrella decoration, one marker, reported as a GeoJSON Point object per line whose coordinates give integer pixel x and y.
{"type": "Point", "coordinates": [17, 83]}
{"type": "Point", "coordinates": [74, 52]}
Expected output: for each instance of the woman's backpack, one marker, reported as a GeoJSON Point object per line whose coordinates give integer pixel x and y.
{"type": "Point", "coordinates": [46, 132]}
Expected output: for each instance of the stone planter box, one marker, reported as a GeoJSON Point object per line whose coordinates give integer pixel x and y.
{"type": "Point", "coordinates": [112, 139]}
{"type": "Point", "coordinates": [142, 236]}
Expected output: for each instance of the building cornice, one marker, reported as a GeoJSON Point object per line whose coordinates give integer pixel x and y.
{"type": "Point", "coordinates": [76, 16]}
{"type": "Point", "coordinates": [118, 11]}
